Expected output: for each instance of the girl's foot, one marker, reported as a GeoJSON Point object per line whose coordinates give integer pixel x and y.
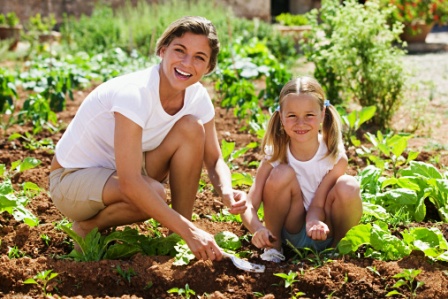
{"type": "Point", "coordinates": [273, 255]}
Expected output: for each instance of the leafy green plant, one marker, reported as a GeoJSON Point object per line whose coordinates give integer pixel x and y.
{"type": "Point", "coordinates": [183, 255]}
{"type": "Point", "coordinates": [183, 292]}
{"type": "Point", "coordinates": [388, 150]}
{"type": "Point", "coordinates": [407, 278]}
{"type": "Point", "coordinates": [289, 19]}
{"type": "Point", "coordinates": [229, 155]}
{"type": "Point", "coordinates": [37, 109]}
{"type": "Point", "coordinates": [352, 123]}
{"type": "Point", "coordinates": [15, 202]}
{"type": "Point", "coordinates": [42, 279]}
{"type": "Point", "coordinates": [356, 37]}
{"type": "Point", "coordinates": [119, 244]}
{"type": "Point", "coordinates": [228, 240]}
{"type": "Point", "coordinates": [381, 244]}
{"type": "Point", "coordinates": [428, 182]}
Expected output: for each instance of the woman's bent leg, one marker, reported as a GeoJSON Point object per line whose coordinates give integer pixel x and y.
{"type": "Point", "coordinates": [181, 156]}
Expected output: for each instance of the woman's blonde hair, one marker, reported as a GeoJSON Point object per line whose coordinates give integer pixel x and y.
{"type": "Point", "coordinates": [275, 141]}
{"type": "Point", "coordinates": [195, 25]}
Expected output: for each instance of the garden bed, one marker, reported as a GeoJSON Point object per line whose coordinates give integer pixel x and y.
{"type": "Point", "coordinates": [153, 276]}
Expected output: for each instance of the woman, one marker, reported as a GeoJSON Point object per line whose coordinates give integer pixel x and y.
{"type": "Point", "coordinates": [136, 131]}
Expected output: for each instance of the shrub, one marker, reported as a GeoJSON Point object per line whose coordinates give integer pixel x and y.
{"type": "Point", "coordinates": [355, 57]}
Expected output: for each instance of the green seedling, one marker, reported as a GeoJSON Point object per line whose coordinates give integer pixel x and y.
{"type": "Point", "coordinates": [46, 239]}
{"type": "Point", "coordinates": [15, 253]}
{"type": "Point", "coordinates": [407, 278]}
{"type": "Point", "coordinates": [289, 279]}
{"type": "Point", "coordinates": [126, 274]}
{"type": "Point", "coordinates": [42, 279]}
{"type": "Point", "coordinates": [184, 293]}
{"type": "Point", "coordinates": [317, 258]}
{"type": "Point", "coordinates": [224, 216]}
{"type": "Point", "coordinates": [31, 143]}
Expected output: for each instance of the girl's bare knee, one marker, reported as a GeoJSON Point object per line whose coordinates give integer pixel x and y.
{"type": "Point", "coordinates": [347, 188]}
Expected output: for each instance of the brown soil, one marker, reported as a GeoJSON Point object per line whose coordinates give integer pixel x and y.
{"type": "Point", "coordinates": [344, 277]}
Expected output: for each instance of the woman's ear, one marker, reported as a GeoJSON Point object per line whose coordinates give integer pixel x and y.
{"type": "Point", "coordinates": [162, 51]}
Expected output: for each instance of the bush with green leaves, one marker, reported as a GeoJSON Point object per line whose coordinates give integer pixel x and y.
{"type": "Point", "coordinates": [355, 57]}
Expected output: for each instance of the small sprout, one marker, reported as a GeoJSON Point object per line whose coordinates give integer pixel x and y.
{"type": "Point", "coordinates": [184, 293]}
{"type": "Point", "coordinates": [126, 274]}
{"type": "Point", "coordinates": [42, 279]}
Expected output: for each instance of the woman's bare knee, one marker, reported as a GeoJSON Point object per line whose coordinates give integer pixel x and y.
{"type": "Point", "coordinates": [190, 127]}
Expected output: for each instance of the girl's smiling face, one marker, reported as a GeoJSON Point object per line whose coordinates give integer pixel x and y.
{"type": "Point", "coordinates": [185, 60]}
{"type": "Point", "coordinates": [301, 117]}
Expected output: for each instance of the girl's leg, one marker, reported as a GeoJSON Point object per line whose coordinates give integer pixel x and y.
{"type": "Point", "coordinates": [343, 208]}
{"type": "Point", "coordinates": [283, 203]}
{"type": "Point", "coordinates": [180, 155]}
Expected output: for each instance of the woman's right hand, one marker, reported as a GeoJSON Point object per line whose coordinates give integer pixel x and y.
{"type": "Point", "coordinates": [203, 245]}
{"type": "Point", "coordinates": [263, 238]}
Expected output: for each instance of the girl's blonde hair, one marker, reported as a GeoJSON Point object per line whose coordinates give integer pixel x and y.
{"type": "Point", "coordinates": [275, 141]}
{"type": "Point", "coordinates": [195, 25]}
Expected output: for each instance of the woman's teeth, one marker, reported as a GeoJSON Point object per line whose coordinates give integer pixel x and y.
{"type": "Point", "coordinates": [183, 73]}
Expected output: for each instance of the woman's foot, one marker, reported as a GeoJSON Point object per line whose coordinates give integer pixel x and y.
{"type": "Point", "coordinates": [76, 227]}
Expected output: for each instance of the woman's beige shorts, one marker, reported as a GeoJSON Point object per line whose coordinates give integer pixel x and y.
{"type": "Point", "coordinates": [77, 193]}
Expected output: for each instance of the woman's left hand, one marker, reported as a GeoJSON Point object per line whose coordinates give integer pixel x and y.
{"type": "Point", "coordinates": [235, 201]}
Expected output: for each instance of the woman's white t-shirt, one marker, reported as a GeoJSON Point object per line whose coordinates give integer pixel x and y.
{"type": "Point", "coordinates": [310, 173]}
{"type": "Point", "coordinates": [89, 138]}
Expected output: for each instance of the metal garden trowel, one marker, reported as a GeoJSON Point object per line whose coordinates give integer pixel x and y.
{"type": "Point", "coordinates": [243, 264]}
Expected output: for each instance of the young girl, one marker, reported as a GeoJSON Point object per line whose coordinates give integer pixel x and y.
{"type": "Point", "coordinates": [306, 195]}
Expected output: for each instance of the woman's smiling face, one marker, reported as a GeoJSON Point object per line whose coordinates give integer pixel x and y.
{"type": "Point", "coordinates": [185, 60]}
{"type": "Point", "coordinates": [301, 117]}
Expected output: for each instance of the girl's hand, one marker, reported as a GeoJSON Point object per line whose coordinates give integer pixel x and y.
{"type": "Point", "coordinates": [235, 201]}
{"type": "Point", "coordinates": [317, 230]}
{"type": "Point", "coordinates": [263, 238]}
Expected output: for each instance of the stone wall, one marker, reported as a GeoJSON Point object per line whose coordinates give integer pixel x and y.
{"type": "Point", "coordinates": [27, 8]}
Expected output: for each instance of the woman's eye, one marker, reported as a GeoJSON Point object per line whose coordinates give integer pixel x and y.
{"type": "Point", "coordinates": [200, 58]}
